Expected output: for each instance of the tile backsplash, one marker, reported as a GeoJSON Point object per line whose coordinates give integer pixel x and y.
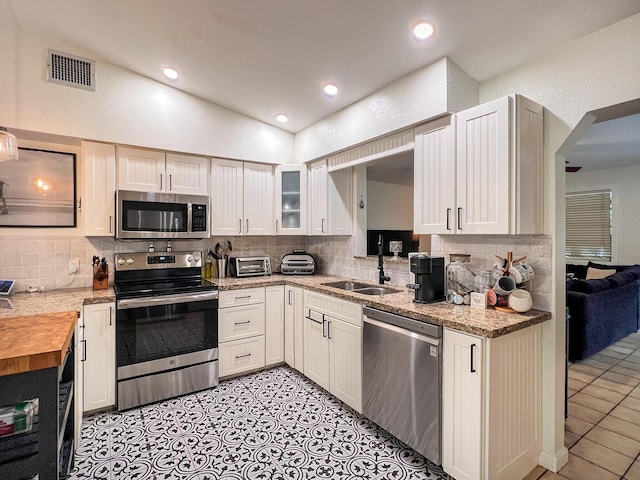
{"type": "Point", "coordinates": [43, 261]}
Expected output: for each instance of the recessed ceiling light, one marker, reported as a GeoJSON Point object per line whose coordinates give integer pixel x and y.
{"type": "Point", "coordinates": [422, 31]}
{"type": "Point", "coordinates": [330, 90]}
{"type": "Point", "coordinates": [170, 72]}
{"type": "Point", "coordinates": [282, 118]}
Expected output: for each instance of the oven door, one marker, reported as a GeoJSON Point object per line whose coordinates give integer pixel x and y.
{"type": "Point", "coordinates": [155, 332]}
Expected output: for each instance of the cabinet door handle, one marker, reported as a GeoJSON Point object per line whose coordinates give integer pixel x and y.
{"type": "Point", "coordinates": [324, 321]}
{"type": "Point", "coordinates": [473, 368]}
{"type": "Point", "coordinates": [448, 219]}
{"type": "Point", "coordinates": [243, 356]}
{"type": "Point", "coordinates": [329, 329]}
{"type": "Point", "coordinates": [247, 231]}
{"type": "Point", "coordinates": [161, 188]}
{"type": "Point", "coordinates": [290, 292]}
{"type": "Point", "coordinates": [110, 224]}
{"type": "Point", "coordinates": [243, 297]}
{"type": "Point", "coordinates": [276, 225]}
{"type": "Point", "coordinates": [459, 218]}
{"type": "Point", "coordinates": [110, 316]}
{"type": "Point", "coordinates": [170, 182]}
{"type": "Point", "coordinates": [322, 226]}
{"type": "Point", "coordinates": [84, 351]}
{"type": "Point", "coordinates": [242, 323]}
{"type": "Point", "coordinates": [239, 225]}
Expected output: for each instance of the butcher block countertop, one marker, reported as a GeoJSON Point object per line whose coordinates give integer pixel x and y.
{"type": "Point", "coordinates": [36, 333]}
{"type": "Point", "coordinates": [34, 342]}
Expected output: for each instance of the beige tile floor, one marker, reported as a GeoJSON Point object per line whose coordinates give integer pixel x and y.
{"type": "Point", "coordinates": [602, 431]}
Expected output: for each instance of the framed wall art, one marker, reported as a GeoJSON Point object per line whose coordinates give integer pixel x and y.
{"type": "Point", "coordinates": [38, 189]}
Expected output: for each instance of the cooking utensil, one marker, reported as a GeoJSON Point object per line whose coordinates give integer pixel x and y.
{"type": "Point", "coordinates": [218, 251]}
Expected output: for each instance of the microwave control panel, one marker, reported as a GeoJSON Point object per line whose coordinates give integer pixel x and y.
{"type": "Point", "coordinates": [199, 218]}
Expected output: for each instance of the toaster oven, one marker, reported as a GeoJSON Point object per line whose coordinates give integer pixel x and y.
{"type": "Point", "coordinates": [250, 266]}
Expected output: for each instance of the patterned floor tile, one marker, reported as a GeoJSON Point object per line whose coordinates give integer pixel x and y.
{"type": "Point", "coordinates": [275, 424]}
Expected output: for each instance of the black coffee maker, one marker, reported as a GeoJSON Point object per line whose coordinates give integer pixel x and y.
{"type": "Point", "coordinates": [429, 272]}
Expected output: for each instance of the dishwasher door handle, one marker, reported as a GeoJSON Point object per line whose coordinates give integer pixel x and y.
{"type": "Point", "coordinates": [402, 331]}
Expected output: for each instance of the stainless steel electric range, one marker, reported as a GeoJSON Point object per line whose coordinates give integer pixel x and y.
{"type": "Point", "coordinates": [166, 327]}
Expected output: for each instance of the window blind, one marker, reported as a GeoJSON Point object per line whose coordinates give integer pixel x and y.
{"type": "Point", "coordinates": [589, 225]}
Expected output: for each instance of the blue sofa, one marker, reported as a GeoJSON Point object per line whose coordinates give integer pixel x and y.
{"type": "Point", "coordinates": [602, 311]}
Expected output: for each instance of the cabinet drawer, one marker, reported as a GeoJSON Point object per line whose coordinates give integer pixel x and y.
{"type": "Point", "coordinates": [244, 321]}
{"type": "Point", "coordinates": [241, 355]}
{"type": "Point", "coordinates": [245, 296]}
{"type": "Point", "coordinates": [343, 310]}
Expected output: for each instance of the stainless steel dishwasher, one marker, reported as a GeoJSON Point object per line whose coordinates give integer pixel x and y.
{"type": "Point", "coordinates": [402, 373]}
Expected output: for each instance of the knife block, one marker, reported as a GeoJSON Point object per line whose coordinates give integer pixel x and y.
{"type": "Point", "coordinates": [100, 277]}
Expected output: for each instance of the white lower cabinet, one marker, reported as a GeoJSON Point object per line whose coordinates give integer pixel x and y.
{"type": "Point", "coordinates": [293, 318]}
{"type": "Point", "coordinates": [274, 325]}
{"type": "Point", "coordinates": [98, 351]}
{"type": "Point", "coordinates": [332, 332]}
{"type": "Point", "coordinates": [491, 418]}
{"type": "Point", "coordinates": [241, 356]}
{"type": "Point", "coordinates": [241, 331]}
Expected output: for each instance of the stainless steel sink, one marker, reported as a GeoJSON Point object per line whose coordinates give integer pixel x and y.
{"type": "Point", "coordinates": [347, 285]}
{"type": "Point", "coordinates": [376, 290]}
{"type": "Point", "coordinates": [363, 288]}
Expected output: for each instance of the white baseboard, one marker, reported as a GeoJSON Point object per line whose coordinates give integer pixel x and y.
{"type": "Point", "coordinates": [554, 462]}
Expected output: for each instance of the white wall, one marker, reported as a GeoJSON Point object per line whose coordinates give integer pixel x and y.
{"type": "Point", "coordinates": [413, 99]}
{"type": "Point", "coordinates": [389, 206]}
{"type": "Point", "coordinates": [625, 184]}
{"type": "Point", "coordinates": [592, 72]}
{"type": "Point", "coordinates": [126, 108]}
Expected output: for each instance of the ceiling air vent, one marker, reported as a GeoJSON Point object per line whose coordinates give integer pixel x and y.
{"type": "Point", "coordinates": [70, 70]}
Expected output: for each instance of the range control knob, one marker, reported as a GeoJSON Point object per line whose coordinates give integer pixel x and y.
{"type": "Point", "coordinates": [121, 261]}
{"type": "Point", "coordinates": [189, 259]}
{"type": "Point", "coordinates": [129, 261]}
{"type": "Point", "coordinates": [196, 258]}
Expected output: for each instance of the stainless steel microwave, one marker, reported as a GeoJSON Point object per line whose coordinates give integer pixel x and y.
{"type": "Point", "coordinates": [161, 215]}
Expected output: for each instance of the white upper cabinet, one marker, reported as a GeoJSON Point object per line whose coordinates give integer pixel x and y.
{"type": "Point", "coordinates": [187, 174]}
{"type": "Point", "coordinates": [241, 198]}
{"type": "Point", "coordinates": [434, 173]}
{"type": "Point", "coordinates": [341, 202]}
{"type": "Point", "coordinates": [482, 173]}
{"type": "Point", "coordinates": [499, 162]}
{"type": "Point", "coordinates": [153, 171]}
{"type": "Point", "coordinates": [318, 203]}
{"type": "Point", "coordinates": [330, 200]}
{"type": "Point", "coordinates": [258, 199]}
{"type": "Point", "coordinates": [291, 199]}
{"type": "Point", "coordinates": [99, 186]}
{"type": "Point", "coordinates": [484, 163]}
{"type": "Point", "coordinates": [226, 197]}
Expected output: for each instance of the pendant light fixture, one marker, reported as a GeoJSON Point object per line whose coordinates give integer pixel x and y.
{"type": "Point", "coordinates": [8, 146]}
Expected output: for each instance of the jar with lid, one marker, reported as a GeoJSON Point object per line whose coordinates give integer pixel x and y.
{"type": "Point", "coordinates": [460, 278]}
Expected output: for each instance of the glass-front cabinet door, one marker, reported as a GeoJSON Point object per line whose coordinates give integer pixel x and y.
{"type": "Point", "coordinates": [291, 200]}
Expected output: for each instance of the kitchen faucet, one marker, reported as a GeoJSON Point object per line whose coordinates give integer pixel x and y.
{"type": "Point", "coordinates": [381, 276]}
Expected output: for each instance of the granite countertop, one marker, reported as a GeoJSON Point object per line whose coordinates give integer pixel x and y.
{"type": "Point", "coordinates": [55, 301]}
{"type": "Point", "coordinates": [488, 323]}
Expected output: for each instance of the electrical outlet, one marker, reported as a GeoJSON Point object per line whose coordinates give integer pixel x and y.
{"type": "Point", "coordinates": [74, 265]}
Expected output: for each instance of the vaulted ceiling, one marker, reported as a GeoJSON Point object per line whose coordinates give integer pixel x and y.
{"type": "Point", "coordinates": [263, 57]}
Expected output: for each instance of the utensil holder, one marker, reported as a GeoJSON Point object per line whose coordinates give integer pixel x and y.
{"type": "Point", "coordinates": [100, 277]}
{"type": "Point", "coordinates": [222, 267]}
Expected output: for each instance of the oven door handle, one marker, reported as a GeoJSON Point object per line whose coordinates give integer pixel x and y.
{"type": "Point", "coordinates": [166, 300]}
